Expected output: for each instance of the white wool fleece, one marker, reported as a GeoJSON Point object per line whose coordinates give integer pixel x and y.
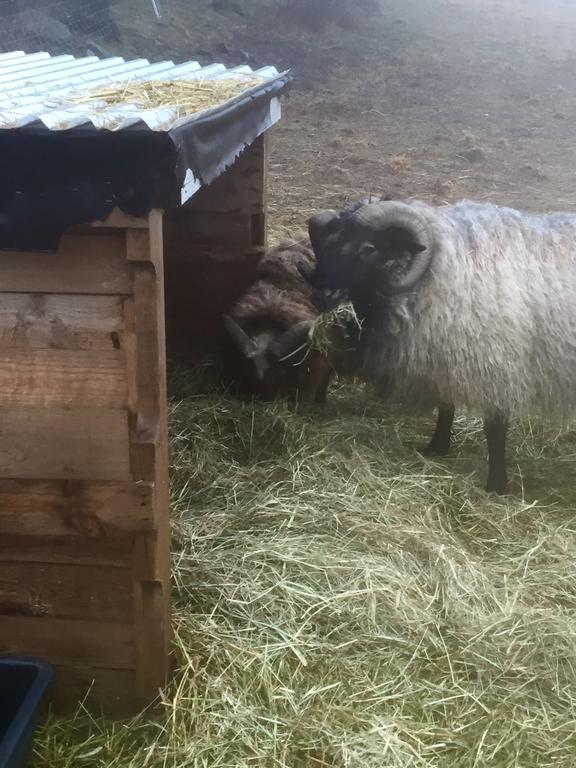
{"type": "Point", "coordinates": [492, 325]}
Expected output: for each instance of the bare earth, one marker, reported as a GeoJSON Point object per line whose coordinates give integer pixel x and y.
{"type": "Point", "coordinates": [441, 99]}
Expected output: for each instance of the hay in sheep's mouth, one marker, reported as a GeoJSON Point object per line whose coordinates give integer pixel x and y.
{"type": "Point", "coordinates": [342, 602]}
{"type": "Point", "coordinates": [340, 319]}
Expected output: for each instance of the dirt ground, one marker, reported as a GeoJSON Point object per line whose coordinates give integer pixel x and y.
{"type": "Point", "coordinates": [450, 100]}
{"type": "Point", "coordinates": [441, 99]}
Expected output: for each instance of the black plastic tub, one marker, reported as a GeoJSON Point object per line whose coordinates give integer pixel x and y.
{"type": "Point", "coordinates": [23, 682]}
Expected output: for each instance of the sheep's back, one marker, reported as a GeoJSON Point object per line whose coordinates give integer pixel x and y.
{"type": "Point", "coordinates": [280, 292]}
{"type": "Point", "coordinates": [492, 325]}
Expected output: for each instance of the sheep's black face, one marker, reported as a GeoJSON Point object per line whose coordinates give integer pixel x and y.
{"type": "Point", "coordinates": [358, 261]}
{"type": "Point", "coordinates": [345, 263]}
{"type": "Point", "coordinates": [339, 264]}
{"type": "Point", "coordinates": [350, 275]}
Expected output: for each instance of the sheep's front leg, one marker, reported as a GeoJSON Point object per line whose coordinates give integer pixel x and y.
{"type": "Point", "coordinates": [316, 379]}
{"type": "Point", "coordinates": [439, 445]}
{"type": "Point", "coordinates": [495, 429]}
{"type": "Point", "coordinates": [323, 387]}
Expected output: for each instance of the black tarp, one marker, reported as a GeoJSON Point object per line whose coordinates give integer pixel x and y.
{"type": "Point", "coordinates": [52, 180]}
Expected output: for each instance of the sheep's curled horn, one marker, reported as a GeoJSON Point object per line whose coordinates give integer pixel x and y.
{"type": "Point", "coordinates": [321, 222]}
{"type": "Point", "coordinates": [289, 340]}
{"type": "Point", "coordinates": [317, 226]}
{"type": "Point", "coordinates": [376, 218]}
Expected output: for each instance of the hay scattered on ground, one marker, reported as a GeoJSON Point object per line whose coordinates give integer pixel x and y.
{"type": "Point", "coordinates": [341, 602]}
{"type": "Point", "coordinates": [186, 97]}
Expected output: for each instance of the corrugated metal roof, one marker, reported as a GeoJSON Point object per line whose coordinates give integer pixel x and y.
{"type": "Point", "coordinates": [39, 91]}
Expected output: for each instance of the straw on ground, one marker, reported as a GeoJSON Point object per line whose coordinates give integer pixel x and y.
{"type": "Point", "coordinates": [342, 602]}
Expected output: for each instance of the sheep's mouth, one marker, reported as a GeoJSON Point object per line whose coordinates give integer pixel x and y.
{"type": "Point", "coordinates": [329, 298]}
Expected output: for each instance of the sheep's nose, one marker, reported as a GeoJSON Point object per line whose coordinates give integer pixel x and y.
{"type": "Point", "coordinates": [328, 298]}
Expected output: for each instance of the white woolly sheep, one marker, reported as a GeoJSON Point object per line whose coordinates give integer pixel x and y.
{"type": "Point", "coordinates": [470, 304]}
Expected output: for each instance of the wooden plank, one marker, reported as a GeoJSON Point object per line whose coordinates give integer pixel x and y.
{"type": "Point", "coordinates": [62, 378]}
{"type": "Point", "coordinates": [199, 292]}
{"type": "Point", "coordinates": [90, 593]}
{"type": "Point", "coordinates": [199, 259]}
{"type": "Point", "coordinates": [69, 641]}
{"type": "Point", "coordinates": [151, 637]}
{"type": "Point", "coordinates": [152, 551]}
{"type": "Point", "coordinates": [119, 220]}
{"type": "Point", "coordinates": [55, 321]}
{"type": "Point", "coordinates": [111, 553]}
{"type": "Point", "coordinates": [185, 230]}
{"type": "Point", "coordinates": [241, 188]}
{"type": "Point", "coordinates": [57, 443]}
{"type": "Point", "coordinates": [111, 691]}
{"type": "Point", "coordinates": [93, 264]}
{"type": "Point", "coordinates": [145, 367]}
{"type": "Point", "coordinates": [74, 508]}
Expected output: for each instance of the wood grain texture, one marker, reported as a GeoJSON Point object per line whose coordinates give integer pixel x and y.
{"type": "Point", "coordinates": [60, 321]}
{"type": "Point", "coordinates": [210, 265]}
{"type": "Point", "coordinates": [87, 592]}
{"type": "Point", "coordinates": [145, 365]}
{"type": "Point", "coordinates": [74, 508]}
{"type": "Point", "coordinates": [201, 228]}
{"type": "Point", "coordinates": [69, 641]}
{"type": "Point", "coordinates": [149, 436]}
{"type": "Point", "coordinates": [58, 443]}
{"type": "Point", "coordinates": [241, 188]}
{"type": "Point", "coordinates": [119, 220]}
{"type": "Point", "coordinates": [110, 553]}
{"type": "Point", "coordinates": [111, 691]}
{"type": "Point", "coordinates": [62, 378]}
{"type": "Point", "coordinates": [92, 264]}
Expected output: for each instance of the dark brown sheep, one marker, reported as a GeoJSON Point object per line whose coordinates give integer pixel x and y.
{"type": "Point", "coordinates": [269, 326]}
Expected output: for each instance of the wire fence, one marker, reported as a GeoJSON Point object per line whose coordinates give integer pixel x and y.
{"type": "Point", "coordinates": [78, 27]}
{"type": "Point", "coordinates": [206, 30]}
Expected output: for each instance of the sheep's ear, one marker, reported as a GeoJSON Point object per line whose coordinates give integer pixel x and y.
{"type": "Point", "coordinates": [245, 344]}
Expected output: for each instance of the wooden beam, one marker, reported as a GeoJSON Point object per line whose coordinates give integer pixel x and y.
{"type": "Point", "coordinates": [108, 552]}
{"type": "Point", "coordinates": [69, 641]}
{"type": "Point", "coordinates": [62, 378]}
{"type": "Point", "coordinates": [60, 321]}
{"type": "Point", "coordinates": [87, 592]}
{"type": "Point", "coordinates": [96, 688]}
{"type": "Point", "coordinates": [91, 264]}
{"type": "Point", "coordinates": [74, 508]}
{"type": "Point", "coordinates": [64, 444]}
{"type": "Point", "coordinates": [119, 220]}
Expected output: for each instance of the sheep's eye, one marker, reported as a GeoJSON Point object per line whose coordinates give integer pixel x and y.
{"type": "Point", "coordinates": [367, 252]}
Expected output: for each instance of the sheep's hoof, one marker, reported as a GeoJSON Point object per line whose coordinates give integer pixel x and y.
{"type": "Point", "coordinates": [435, 449]}
{"type": "Point", "coordinates": [498, 486]}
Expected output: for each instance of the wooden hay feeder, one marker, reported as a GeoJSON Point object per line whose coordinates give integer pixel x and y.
{"type": "Point", "coordinates": [84, 502]}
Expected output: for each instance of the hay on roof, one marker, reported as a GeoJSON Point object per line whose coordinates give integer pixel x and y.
{"type": "Point", "coordinates": [186, 97]}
